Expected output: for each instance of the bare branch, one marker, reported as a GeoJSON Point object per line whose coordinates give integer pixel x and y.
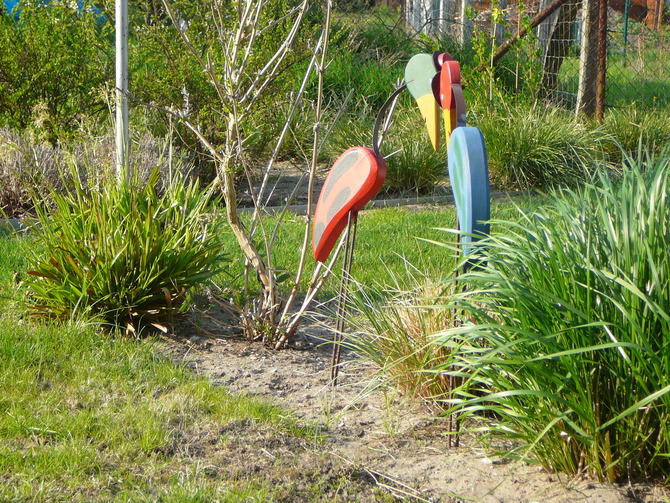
{"type": "Point", "coordinates": [315, 149]}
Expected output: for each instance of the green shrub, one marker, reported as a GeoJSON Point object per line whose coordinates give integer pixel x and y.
{"type": "Point", "coordinates": [371, 82]}
{"type": "Point", "coordinates": [567, 351]}
{"type": "Point", "coordinates": [58, 69]}
{"type": "Point", "coordinates": [77, 408]}
{"type": "Point", "coordinates": [162, 72]}
{"type": "Point", "coordinates": [122, 252]}
{"type": "Point", "coordinates": [53, 60]}
{"type": "Point", "coordinates": [369, 52]}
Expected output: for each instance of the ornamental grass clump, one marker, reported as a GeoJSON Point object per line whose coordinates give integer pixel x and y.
{"type": "Point", "coordinates": [535, 148]}
{"type": "Point", "coordinates": [631, 127]}
{"type": "Point", "coordinates": [395, 325]}
{"type": "Point", "coordinates": [121, 252]}
{"type": "Point", "coordinates": [568, 351]}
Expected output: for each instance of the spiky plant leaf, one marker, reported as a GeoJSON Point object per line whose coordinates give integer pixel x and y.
{"type": "Point", "coordinates": [122, 252]}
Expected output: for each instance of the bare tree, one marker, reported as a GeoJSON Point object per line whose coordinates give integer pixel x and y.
{"type": "Point", "coordinates": [271, 316]}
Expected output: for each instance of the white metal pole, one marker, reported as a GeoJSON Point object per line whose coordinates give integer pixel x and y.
{"type": "Point", "coordinates": [122, 129]}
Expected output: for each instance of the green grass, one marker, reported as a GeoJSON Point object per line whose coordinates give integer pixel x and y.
{"type": "Point", "coordinates": [557, 341]}
{"type": "Point", "coordinates": [80, 414]}
{"type": "Point", "coordinates": [85, 417]}
{"type": "Point", "coordinates": [628, 86]}
{"type": "Point", "coordinates": [387, 241]}
{"type": "Point", "coordinates": [640, 78]}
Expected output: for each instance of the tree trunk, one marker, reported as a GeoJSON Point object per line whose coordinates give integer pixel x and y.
{"type": "Point", "coordinates": [588, 60]}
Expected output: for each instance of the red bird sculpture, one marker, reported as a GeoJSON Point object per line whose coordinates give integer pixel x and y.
{"type": "Point", "coordinates": [354, 179]}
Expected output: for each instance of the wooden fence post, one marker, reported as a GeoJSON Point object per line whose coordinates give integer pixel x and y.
{"type": "Point", "coordinates": [601, 78]}
{"type": "Point", "coordinates": [588, 59]}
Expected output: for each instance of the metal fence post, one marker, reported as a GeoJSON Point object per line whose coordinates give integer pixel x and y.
{"type": "Point", "coordinates": [122, 129]}
{"type": "Point", "coordinates": [466, 23]}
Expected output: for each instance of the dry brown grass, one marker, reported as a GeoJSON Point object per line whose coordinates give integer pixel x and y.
{"type": "Point", "coordinates": [28, 166]}
{"type": "Point", "coordinates": [398, 335]}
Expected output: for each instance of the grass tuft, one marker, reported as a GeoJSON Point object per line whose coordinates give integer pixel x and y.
{"type": "Point", "coordinates": [531, 148]}
{"type": "Point", "coordinates": [123, 252]}
{"type": "Point", "coordinates": [631, 127]}
{"type": "Point", "coordinates": [395, 327]}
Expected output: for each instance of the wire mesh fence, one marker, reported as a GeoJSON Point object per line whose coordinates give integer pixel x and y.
{"type": "Point", "coordinates": [578, 45]}
{"type": "Point", "coordinates": [638, 63]}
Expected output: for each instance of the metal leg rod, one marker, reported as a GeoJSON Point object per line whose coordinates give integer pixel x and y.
{"type": "Point", "coordinates": [342, 298]}
{"type": "Point", "coordinates": [453, 424]}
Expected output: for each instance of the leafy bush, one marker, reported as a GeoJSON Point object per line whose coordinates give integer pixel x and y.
{"type": "Point", "coordinates": [162, 72]}
{"type": "Point", "coordinates": [568, 346]}
{"type": "Point", "coordinates": [57, 73]}
{"type": "Point", "coordinates": [123, 252]}
{"type": "Point", "coordinates": [53, 60]}
{"type": "Point", "coordinates": [369, 56]}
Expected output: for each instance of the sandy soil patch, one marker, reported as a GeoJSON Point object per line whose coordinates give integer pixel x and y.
{"type": "Point", "coordinates": [372, 431]}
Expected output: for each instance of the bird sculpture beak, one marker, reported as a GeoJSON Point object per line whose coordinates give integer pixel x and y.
{"type": "Point", "coordinates": [419, 74]}
{"type": "Point", "coordinates": [434, 81]}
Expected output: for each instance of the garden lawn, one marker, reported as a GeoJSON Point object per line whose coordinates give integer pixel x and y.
{"type": "Point", "coordinates": [88, 416]}
{"type": "Point", "coordinates": [388, 241]}
{"type": "Point", "coordinates": [85, 415]}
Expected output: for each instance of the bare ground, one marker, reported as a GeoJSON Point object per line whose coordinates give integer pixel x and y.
{"type": "Point", "coordinates": [378, 445]}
